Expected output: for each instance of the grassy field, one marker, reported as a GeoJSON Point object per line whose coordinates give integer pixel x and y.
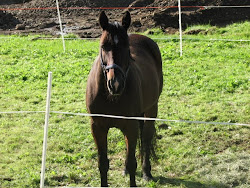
{"type": "Point", "coordinates": [210, 82]}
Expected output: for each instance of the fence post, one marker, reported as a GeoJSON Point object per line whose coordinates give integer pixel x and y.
{"type": "Point", "coordinates": [46, 129]}
{"type": "Point", "coordinates": [60, 23]}
{"type": "Point", "coordinates": [180, 27]}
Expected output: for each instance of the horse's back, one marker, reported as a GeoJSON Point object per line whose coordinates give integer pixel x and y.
{"type": "Point", "coordinates": [148, 63]}
{"type": "Point", "coordinates": [140, 43]}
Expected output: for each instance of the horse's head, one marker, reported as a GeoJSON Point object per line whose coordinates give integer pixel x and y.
{"type": "Point", "coordinates": [114, 52]}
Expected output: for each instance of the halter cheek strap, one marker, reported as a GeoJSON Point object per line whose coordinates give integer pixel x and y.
{"type": "Point", "coordinates": [113, 66]}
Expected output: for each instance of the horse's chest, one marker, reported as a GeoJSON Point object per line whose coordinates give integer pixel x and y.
{"type": "Point", "coordinates": [122, 106]}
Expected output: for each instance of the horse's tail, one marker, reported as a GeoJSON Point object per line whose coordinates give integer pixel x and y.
{"type": "Point", "coordinates": [141, 144]}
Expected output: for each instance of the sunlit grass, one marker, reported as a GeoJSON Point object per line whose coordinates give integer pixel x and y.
{"type": "Point", "coordinates": [210, 82]}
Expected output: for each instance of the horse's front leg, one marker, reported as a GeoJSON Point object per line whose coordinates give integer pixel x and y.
{"type": "Point", "coordinates": [131, 135]}
{"type": "Point", "coordinates": [100, 136]}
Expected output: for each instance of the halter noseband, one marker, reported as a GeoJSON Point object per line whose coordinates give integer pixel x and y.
{"type": "Point", "coordinates": [113, 66]}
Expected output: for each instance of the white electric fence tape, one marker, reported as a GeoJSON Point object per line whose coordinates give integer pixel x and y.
{"type": "Point", "coordinates": [131, 118]}
{"type": "Point", "coordinates": [157, 38]}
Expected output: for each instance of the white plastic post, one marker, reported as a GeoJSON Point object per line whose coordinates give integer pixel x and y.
{"type": "Point", "coordinates": [180, 27]}
{"type": "Point", "coordinates": [60, 23]}
{"type": "Point", "coordinates": [46, 129]}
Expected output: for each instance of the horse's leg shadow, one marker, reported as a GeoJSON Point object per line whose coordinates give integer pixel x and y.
{"type": "Point", "coordinates": [187, 183]}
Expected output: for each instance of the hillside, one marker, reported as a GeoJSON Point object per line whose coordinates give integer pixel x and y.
{"type": "Point", "coordinates": [84, 22]}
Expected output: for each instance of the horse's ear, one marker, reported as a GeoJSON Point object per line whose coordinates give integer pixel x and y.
{"type": "Point", "coordinates": [126, 20]}
{"type": "Point", "coordinates": [103, 20]}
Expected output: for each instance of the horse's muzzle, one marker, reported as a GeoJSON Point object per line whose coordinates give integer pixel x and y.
{"type": "Point", "coordinates": [115, 86]}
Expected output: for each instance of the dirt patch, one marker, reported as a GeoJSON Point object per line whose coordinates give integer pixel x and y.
{"type": "Point", "coordinates": [85, 22]}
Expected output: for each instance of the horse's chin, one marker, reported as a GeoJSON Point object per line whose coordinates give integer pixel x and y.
{"type": "Point", "coordinates": [115, 95]}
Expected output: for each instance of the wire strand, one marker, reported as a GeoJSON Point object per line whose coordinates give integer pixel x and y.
{"type": "Point", "coordinates": [118, 8]}
{"type": "Point", "coordinates": [131, 118]}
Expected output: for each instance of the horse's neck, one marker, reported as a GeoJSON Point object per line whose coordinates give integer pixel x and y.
{"type": "Point", "coordinates": [99, 77]}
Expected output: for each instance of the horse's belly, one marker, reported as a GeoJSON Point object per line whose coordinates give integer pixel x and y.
{"type": "Point", "coordinates": [151, 88]}
{"type": "Point", "coordinates": [150, 99]}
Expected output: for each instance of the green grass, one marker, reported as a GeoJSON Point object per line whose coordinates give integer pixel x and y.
{"type": "Point", "coordinates": [210, 82]}
{"type": "Point", "coordinates": [235, 31]}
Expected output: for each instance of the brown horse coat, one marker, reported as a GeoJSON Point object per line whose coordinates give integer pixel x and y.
{"type": "Point", "coordinates": [133, 93]}
{"type": "Point", "coordinates": [143, 84]}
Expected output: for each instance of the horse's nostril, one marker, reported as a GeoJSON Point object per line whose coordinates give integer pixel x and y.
{"type": "Point", "coordinates": [110, 84]}
{"type": "Point", "coordinates": [113, 86]}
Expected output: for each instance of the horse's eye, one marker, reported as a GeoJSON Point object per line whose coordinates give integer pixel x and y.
{"type": "Point", "coordinates": [106, 47]}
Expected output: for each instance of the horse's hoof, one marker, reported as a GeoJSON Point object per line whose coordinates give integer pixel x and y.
{"type": "Point", "coordinates": [148, 177]}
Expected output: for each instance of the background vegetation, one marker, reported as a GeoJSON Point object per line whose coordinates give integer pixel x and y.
{"type": "Point", "coordinates": [210, 82]}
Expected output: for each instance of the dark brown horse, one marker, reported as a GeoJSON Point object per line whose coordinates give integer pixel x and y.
{"type": "Point", "coordinates": [126, 79]}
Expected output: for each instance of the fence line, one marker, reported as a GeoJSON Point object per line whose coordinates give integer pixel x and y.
{"type": "Point", "coordinates": [22, 112]}
{"type": "Point", "coordinates": [130, 118]}
{"type": "Point", "coordinates": [158, 38]}
{"type": "Point", "coordinates": [226, 40]}
{"type": "Point", "coordinates": [112, 8]}
{"type": "Point", "coordinates": [118, 8]}
{"type": "Point", "coordinates": [207, 7]}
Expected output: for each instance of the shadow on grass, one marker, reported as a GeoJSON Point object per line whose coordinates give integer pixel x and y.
{"type": "Point", "coordinates": [187, 183]}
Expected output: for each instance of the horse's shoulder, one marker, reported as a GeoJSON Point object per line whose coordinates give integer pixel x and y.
{"type": "Point", "coordinates": [139, 39]}
{"type": "Point", "coordinates": [142, 44]}
{"type": "Point", "coordinates": [142, 41]}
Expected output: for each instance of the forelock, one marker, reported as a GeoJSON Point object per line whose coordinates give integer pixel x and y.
{"type": "Point", "coordinates": [115, 32]}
